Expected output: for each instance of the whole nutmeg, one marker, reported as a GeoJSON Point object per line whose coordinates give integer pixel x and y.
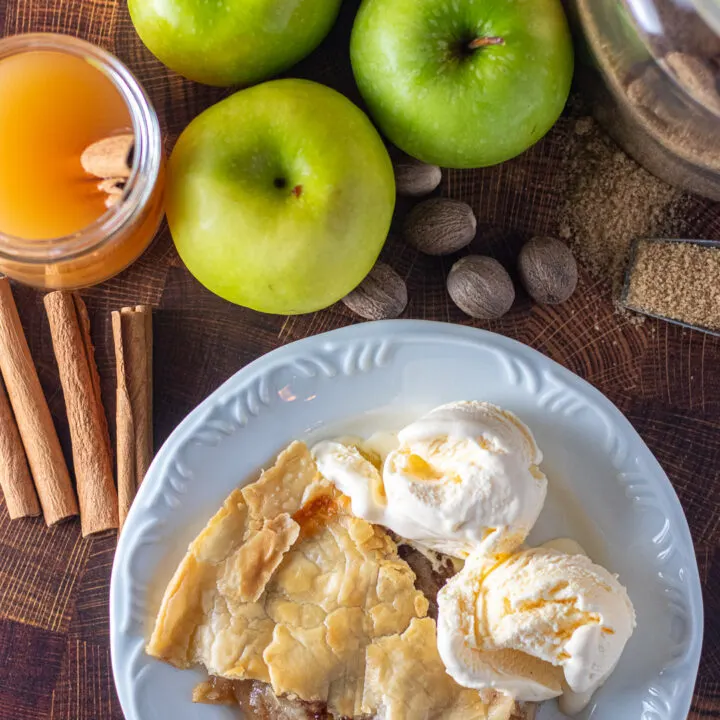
{"type": "Point", "coordinates": [414, 178]}
{"type": "Point", "coordinates": [481, 287]}
{"type": "Point", "coordinates": [548, 270]}
{"type": "Point", "coordinates": [440, 226]}
{"type": "Point", "coordinates": [381, 295]}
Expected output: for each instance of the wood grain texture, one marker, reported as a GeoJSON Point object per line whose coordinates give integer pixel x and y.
{"type": "Point", "coordinates": [54, 644]}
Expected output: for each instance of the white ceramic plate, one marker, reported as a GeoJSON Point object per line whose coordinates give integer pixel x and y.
{"type": "Point", "coordinates": [606, 490]}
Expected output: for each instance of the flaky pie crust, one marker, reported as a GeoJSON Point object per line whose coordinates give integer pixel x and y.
{"type": "Point", "coordinates": [285, 586]}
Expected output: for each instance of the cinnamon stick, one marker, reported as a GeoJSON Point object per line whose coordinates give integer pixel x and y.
{"type": "Point", "coordinates": [132, 335]}
{"type": "Point", "coordinates": [42, 447]}
{"type": "Point", "coordinates": [138, 331]}
{"type": "Point", "coordinates": [15, 478]}
{"type": "Point", "coordinates": [75, 355]}
{"type": "Point", "coordinates": [125, 429]}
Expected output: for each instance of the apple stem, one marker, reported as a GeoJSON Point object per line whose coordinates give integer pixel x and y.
{"type": "Point", "coordinates": [297, 190]}
{"type": "Point", "coordinates": [485, 42]}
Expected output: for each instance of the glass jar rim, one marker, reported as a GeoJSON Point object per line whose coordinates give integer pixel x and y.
{"type": "Point", "coordinates": [147, 156]}
{"type": "Point", "coordinates": [646, 22]}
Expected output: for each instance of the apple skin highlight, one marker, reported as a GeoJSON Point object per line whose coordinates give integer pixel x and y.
{"type": "Point", "coordinates": [280, 197]}
{"type": "Point", "coordinates": [232, 42]}
{"type": "Point", "coordinates": [463, 83]}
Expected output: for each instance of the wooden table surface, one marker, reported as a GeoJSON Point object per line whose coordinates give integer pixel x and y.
{"type": "Point", "coordinates": [54, 643]}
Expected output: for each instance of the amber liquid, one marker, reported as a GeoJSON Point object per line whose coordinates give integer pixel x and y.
{"type": "Point", "coordinates": [52, 106]}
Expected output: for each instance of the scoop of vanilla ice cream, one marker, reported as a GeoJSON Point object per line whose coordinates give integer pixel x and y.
{"type": "Point", "coordinates": [535, 625]}
{"type": "Point", "coordinates": [464, 477]}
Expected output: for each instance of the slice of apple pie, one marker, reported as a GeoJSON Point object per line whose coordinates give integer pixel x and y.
{"type": "Point", "coordinates": [298, 609]}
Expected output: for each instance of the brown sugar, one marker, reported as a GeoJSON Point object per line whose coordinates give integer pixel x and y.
{"type": "Point", "coordinates": [678, 280]}
{"type": "Point", "coordinates": [611, 202]}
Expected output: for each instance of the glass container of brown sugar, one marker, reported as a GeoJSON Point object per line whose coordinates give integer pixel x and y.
{"type": "Point", "coordinates": [653, 73]}
{"type": "Point", "coordinates": [62, 226]}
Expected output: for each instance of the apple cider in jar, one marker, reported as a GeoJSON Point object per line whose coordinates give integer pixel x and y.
{"type": "Point", "coordinates": [61, 225]}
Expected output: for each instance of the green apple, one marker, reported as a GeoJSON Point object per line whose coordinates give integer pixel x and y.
{"type": "Point", "coordinates": [232, 42]}
{"type": "Point", "coordinates": [280, 197]}
{"type": "Point", "coordinates": [463, 83]}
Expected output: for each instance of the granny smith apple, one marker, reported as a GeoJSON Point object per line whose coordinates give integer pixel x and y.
{"type": "Point", "coordinates": [280, 197]}
{"type": "Point", "coordinates": [463, 83]}
{"type": "Point", "coordinates": [232, 42]}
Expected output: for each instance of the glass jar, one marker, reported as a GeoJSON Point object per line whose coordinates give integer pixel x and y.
{"type": "Point", "coordinates": [123, 232]}
{"type": "Point", "coordinates": [653, 78]}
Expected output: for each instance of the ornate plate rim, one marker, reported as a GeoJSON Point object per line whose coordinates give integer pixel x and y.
{"type": "Point", "coordinates": [366, 346]}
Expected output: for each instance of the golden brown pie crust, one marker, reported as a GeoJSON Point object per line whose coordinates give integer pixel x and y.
{"type": "Point", "coordinates": [284, 586]}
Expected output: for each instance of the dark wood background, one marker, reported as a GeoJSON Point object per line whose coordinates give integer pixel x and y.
{"type": "Point", "coordinates": [54, 643]}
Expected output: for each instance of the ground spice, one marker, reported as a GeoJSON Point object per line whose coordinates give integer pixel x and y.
{"type": "Point", "coordinates": [611, 202]}
{"type": "Point", "coordinates": [678, 280]}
